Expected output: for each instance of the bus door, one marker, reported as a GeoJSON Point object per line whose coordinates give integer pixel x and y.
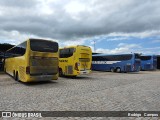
{"type": "Point", "coordinates": [137, 62]}
{"type": "Point", "coordinates": [154, 62]}
{"type": "Point", "coordinates": [69, 60]}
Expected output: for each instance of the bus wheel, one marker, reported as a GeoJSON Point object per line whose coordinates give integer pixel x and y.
{"type": "Point", "coordinates": [5, 70]}
{"type": "Point", "coordinates": [17, 77]}
{"type": "Point", "coordinates": [118, 70]}
{"type": "Point", "coordinates": [14, 75]}
{"type": "Point", "coordinates": [60, 72]}
{"type": "Point", "coordinates": [112, 70]}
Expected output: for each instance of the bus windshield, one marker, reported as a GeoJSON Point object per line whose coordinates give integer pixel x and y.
{"type": "Point", "coordinates": [67, 52]}
{"type": "Point", "coordinates": [137, 56]}
{"type": "Point", "coordinates": [43, 46]}
{"type": "Point", "coordinates": [145, 57]}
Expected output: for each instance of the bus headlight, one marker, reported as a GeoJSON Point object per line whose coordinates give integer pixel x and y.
{"type": "Point", "coordinates": [76, 66]}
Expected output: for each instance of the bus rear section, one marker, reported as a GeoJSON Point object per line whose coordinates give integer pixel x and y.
{"type": "Point", "coordinates": [75, 60]}
{"type": "Point", "coordinates": [83, 66]}
{"type": "Point", "coordinates": [33, 60]}
{"type": "Point", "coordinates": [148, 62]}
{"type": "Point", "coordinates": [43, 61]}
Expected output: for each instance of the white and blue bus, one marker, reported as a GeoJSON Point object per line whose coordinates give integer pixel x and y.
{"type": "Point", "coordinates": [148, 62]}
{"type": "Point", "coordinates": [116, 63]}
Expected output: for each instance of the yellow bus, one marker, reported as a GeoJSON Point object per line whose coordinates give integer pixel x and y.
{"type": "Point", "coordinates": [33, 60]}
{"type": "Point", "coordinates": [75, 60]}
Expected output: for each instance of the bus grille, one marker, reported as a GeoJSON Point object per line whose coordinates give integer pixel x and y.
{"type": "Point", "coordinates": [128, 68]}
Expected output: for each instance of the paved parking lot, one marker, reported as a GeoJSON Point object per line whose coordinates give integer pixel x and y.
{"type": "Point", "coordinates": [100, 91]}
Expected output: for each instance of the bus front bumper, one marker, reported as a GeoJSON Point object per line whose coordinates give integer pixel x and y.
{"type": "Point", "coordinates": [84, 72]}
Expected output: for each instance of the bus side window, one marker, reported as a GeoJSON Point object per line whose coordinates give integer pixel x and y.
{"type": "Point", "coordinates": [16, 51]}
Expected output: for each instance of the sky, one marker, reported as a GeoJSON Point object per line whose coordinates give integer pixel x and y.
{"type": "Point", "coordinates": [112, 26]}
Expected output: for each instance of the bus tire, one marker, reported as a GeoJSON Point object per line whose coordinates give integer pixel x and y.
{"type": "Point", "coordinates": [118, 70]}
{"type": "Point", "coordinates": [5, 70]}
{"type": "Point", "coordinates": [14, 75]}
{"type": "Point", "coordinates": [112, 70]}
{"type": "Point", "coordinates": [60, 72]}
{"type": "Point", "coordinates": [17, 77]}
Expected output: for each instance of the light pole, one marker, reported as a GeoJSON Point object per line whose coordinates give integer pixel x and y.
{"type": "Point", "coordinates": [94, 45]}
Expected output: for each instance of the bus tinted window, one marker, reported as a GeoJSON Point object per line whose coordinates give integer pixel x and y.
{"type": "Point", "coordinates": [43, 46]}
{"type": "Point", "coordinates": [137, 56]}
{"type": "Point", "coordinates": [17, 50]}
{"type": "Point", "coordinates": [20, 49]}
{"type": "Point", "coordinates": [66, 52]}
{"type": "Point", "coordinates": [112, 58]}
{"type": "Point", "coordinates": [145, 57]}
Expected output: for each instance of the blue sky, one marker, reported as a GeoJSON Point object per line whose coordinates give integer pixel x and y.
{"type": "Point", "coordinates": [146, 45]}
{"type": "Point", "coordinates": [120, 26]}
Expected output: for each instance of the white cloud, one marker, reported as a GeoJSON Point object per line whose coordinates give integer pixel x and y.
{"type": "Point", "coordinates": [121, 48]}
{"type": "Point", "coordinates": [129, 45]}
{"type": "Point", "coordinates": [71, 42]}
{"type": "Point", "coordinates": [143, 34]}
{"type": "Point", "coordinates": [45, 7]}
{"type": "Point", "coordinates": [75, 22]}
{"type": "Point", "coordinates": [14, 37]}
{"type": "Point", "coordinates": [66, 20]}
{"type": "Point", "coordinates": [129, 48]}
{"type": "Point", "coordinates": [124, 36]}
{"type": "Point", "coordinates": [156, 41]}
{"type": "Point", "coordinates": [74, 7]}
{"type": "Point", "coordinates": [118, 38]}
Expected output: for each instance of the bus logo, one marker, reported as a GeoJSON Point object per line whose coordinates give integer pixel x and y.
{"type": "Point", "coordinates": [6, 114]}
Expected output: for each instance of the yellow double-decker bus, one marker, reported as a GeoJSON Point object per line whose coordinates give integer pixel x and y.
{"type": "Point", "coordinates": [33, 60]}
{"type": "Point", "coordinates": [75, 60]}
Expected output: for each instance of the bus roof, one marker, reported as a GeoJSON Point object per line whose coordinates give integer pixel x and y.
{"type": "Point", "coordinates": [41, 39]}
{"type": "Point", "coordinates": [31, 39]}
{"type": "Point", "coordinates": [103, 54]}
{"type": "Point", "coordinates": [148, 55]}
{"type": "Point", "coordinates": [74, 46]}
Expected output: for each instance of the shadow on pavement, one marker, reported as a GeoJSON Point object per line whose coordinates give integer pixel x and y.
{"type": "Point", "coordinates": [76, 78]}
{"type": "Point", "coordinates": [39, 83]}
